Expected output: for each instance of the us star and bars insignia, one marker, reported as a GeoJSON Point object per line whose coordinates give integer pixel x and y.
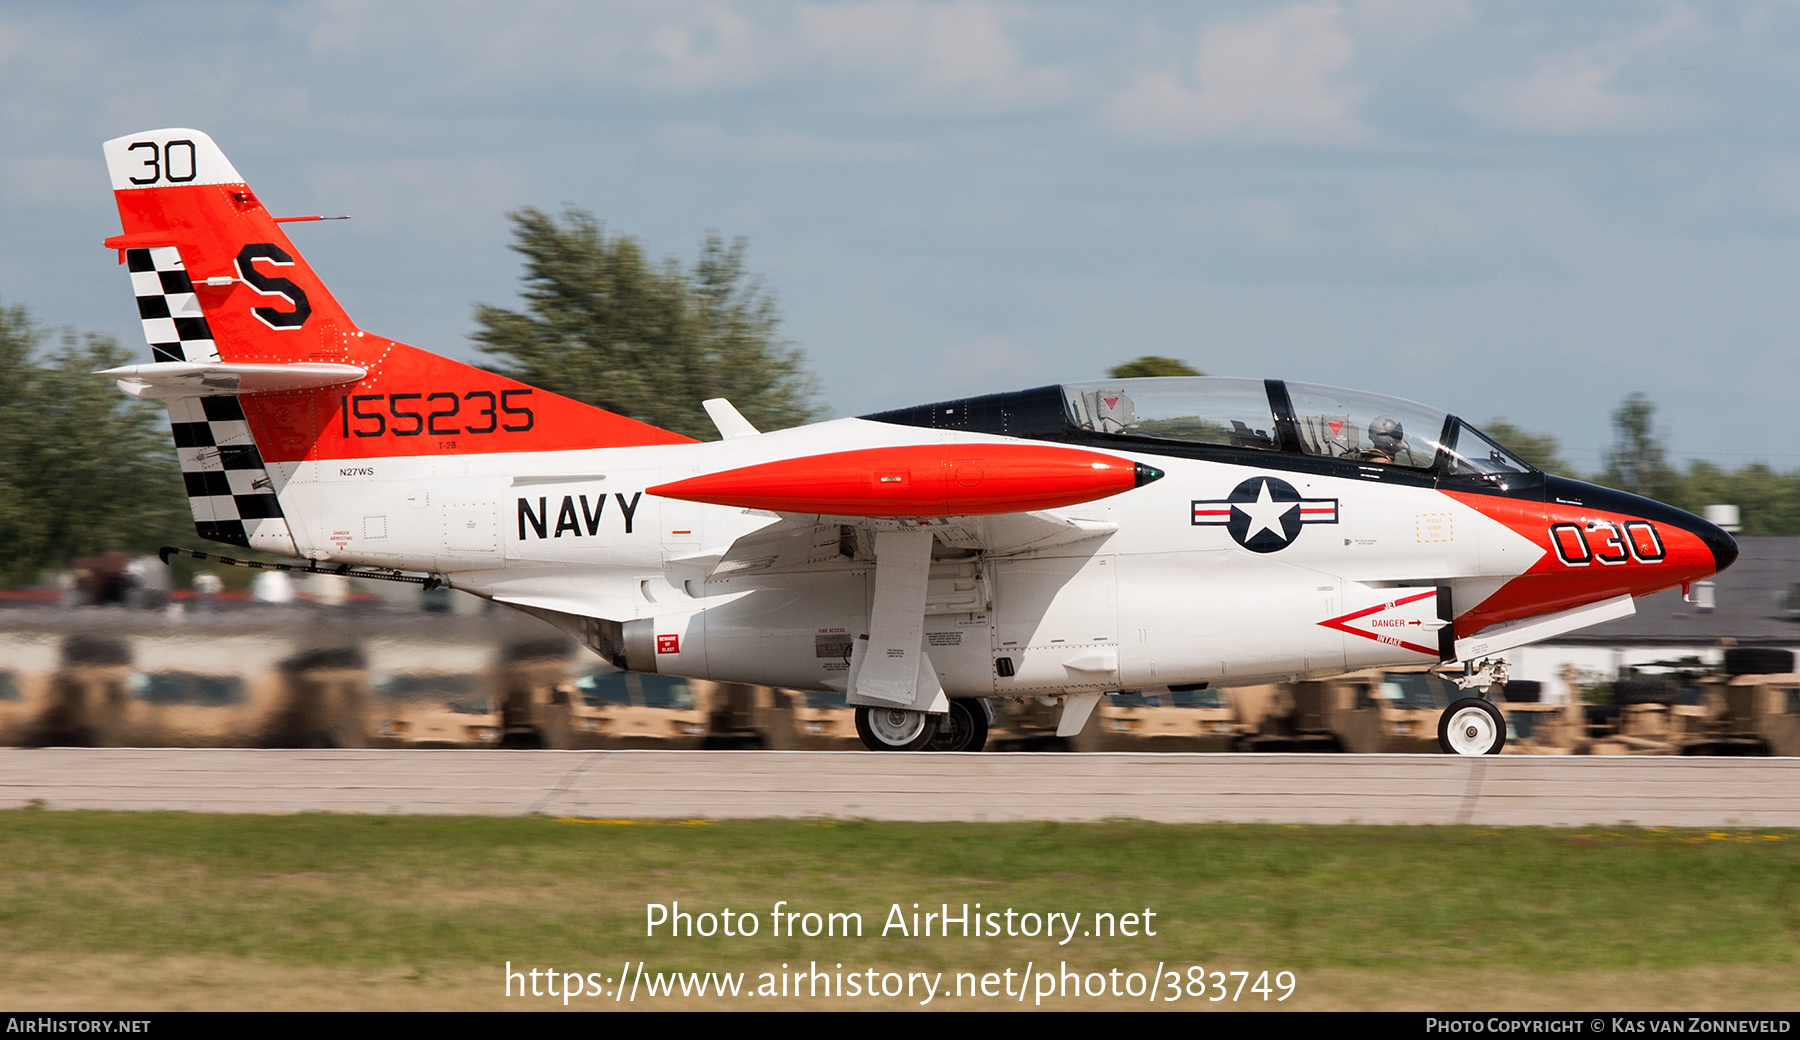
{"type": "Point", "coordinates": [1264, 514]}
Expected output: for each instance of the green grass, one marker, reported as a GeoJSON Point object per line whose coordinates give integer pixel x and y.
{"type": "Point", "coordinates": [424, 891]}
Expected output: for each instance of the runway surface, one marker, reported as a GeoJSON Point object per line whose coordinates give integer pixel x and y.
{"type": "Point", "coordinates": [1168, 788]}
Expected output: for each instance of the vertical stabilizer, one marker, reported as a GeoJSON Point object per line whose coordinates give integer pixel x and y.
{"type": "Point", "coordinates": [218, 283]}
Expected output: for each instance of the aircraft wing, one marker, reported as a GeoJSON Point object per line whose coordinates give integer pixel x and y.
{"type": "Point", "coordinates": [892, 504]}
{"type": "Point", "coordinates": [796, 541]}
{"type": "Point", "coordinates": [995, 497]}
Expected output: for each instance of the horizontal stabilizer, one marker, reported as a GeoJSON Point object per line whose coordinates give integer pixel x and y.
{"type": "Point", "coordinates": [221, 379]}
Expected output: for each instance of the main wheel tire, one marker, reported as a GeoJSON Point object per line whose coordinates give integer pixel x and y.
{"type": "Point", "coordinates": [964, 728]}
{"type": "Point", "coordinates": [1645, 691]}
{"type": "Point", "coordinates": [1523, 691]}
{"type": "Point", "coordinates": [894, 729]}
{"type": "Point", "coordinates": [1471, 726]}
{"type": "Point", "coordinates": [1758, 660]}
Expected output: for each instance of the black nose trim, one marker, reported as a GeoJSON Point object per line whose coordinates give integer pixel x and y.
{"type": "Point", "coordinates": [1146, 474]}
{"type": "Point", "coordinates": [1574, 492]}
{"type": "Point", "coordinates": [1724, 547]}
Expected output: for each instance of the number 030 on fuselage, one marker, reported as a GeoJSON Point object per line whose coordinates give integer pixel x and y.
{"type": "Point", "coordinates": [1061, 542]}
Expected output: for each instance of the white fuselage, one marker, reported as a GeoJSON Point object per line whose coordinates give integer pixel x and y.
{"type": "Point", "coordinates": [1155, 597]}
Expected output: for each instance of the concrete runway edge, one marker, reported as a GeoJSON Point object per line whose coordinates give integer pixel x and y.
{"type": "Point", "coordinates": [1164, 788]}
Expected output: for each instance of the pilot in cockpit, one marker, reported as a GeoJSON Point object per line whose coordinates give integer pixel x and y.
{"type": "Point", "coordinates": [1387, 443]}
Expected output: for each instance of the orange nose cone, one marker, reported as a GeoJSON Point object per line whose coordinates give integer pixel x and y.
{"type": "Point", "coordinates": [1598, 544]}
{"type": "Point", "coordinates": [919, 480]}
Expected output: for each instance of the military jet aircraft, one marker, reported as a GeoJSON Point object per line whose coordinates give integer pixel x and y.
{"type": "Point", "coordinates": [1056, 543]}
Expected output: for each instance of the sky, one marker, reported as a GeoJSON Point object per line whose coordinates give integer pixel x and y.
{"type": "Point", "coordinates": [1519, 210]}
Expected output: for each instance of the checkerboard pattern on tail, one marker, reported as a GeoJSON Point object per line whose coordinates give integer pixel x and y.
{"type": "Point", "coordinates": [228, 484]}
{"type": "Point", "coordinates": [173, 324]}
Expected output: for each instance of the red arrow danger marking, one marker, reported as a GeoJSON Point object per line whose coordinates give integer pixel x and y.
{"type": "Point", "coordinates": [1342, 623]}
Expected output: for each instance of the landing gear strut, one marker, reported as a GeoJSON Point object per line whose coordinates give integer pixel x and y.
{"type": "Point", "coordinates": [895, 729]}
{"type": "Point", "coordinates": [1471, 726]}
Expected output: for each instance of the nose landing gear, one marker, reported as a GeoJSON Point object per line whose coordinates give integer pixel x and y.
{"type": "Point", "coordinates": [1471, 726]}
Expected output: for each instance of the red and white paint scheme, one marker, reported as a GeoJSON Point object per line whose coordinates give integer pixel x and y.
{"type": "Point", "coordinates": [1063, 542]}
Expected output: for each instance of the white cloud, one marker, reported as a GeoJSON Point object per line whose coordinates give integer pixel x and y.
{"type": "Point", "coordinates": [1278, 77]}
{"type": "Point", "coordinates": [1578, 91]}
{"type": "Point", "coordinates": [50, 179]}
{"type": "Point", "coordinates": [992, 360]}
{"type": "Point", "coordinates": [395, 193]}
{"type": "Point", "coordinates": [964, 51]}
{"type": "Point", "coordinates": [781, 148]}
{"type": "Point", "coordinates": [1782, 187]}
{"type": "Point", "coordinates": [717, 48]}
{"type": "Point", "coordinates": [1419, 224]}
{"type": "Point", "coordinates": [1404, 23]}
{"type": "Point", "coordinates": [1272, 222]}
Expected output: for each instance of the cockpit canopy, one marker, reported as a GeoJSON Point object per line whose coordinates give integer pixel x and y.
{"type": "Point", "coordinates": [1202, 416]}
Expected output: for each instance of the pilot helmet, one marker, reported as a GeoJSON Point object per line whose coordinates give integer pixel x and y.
{"type": "Point", "coordinates": [1386, 433]}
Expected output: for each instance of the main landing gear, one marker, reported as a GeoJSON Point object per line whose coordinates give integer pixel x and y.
{"type": "Point", "coordinates": [894, 729]}
{"type": "Point", "coordinates": [963, 728]}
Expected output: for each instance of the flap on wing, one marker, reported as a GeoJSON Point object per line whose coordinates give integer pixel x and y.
{"type": "Point", "coordinates": [1012, 533]}
{"type": "Point", "coordinates": [790, 544]}
{"type": "Point", "coordinates": [805, 542]}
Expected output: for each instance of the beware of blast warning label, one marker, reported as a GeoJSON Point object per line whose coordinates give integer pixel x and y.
{"type": "Point", "coordinates": [1264, 514]}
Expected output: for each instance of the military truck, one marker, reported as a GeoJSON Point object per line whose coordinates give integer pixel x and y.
{"type": "Point", "coordinates": [610, 708]}
{"type": "Point", "coordinates": [435, 709]}
{"type": "Point", "coordinates": [1536, 728]}
{"type": "Point", "coordinates": [89, 701]}
{"type": "Point", "coordinates": [1377, 711]}
{"type": "Point", "coordinates": [823, 722]}
{"type": "Point", "coordinates": [1756, 702]}
{"type": "Point", "coordinates": [1188, 719]}
{"type": "Point", "coordinates": [322, 700]}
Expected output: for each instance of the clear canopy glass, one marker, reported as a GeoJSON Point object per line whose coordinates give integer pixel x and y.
{"type": "Point", "coordinates": [1328, 421]}
{"type": "Point", "coordinates": [1351, 424]}
{"type": "Point", "coordinates": [1232, 412]}
{"type": "Point", "coordinates": [1474, 455]}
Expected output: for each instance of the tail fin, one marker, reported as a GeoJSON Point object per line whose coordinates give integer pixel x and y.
{"type": "Point", "coordinates": [190, 220]}
{"type": "Point", "coordinates": [219, 284]}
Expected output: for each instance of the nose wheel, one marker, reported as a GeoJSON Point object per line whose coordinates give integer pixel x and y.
{"type": "Point", "coordinates": [1471, 726]}
{"type": "Point", "coordinates": [894, 729]}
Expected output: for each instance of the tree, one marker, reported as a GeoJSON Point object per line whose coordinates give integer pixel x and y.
{"type": "Point", "coordinates": [1638, 462]}
{"type": "Point", "coordinates": [1539, 449]}
{"type": "Point", "coordinates": [1152, 365]}
{"type": "Point", "coordinates": [83, 469]}
{"type": "Point", "coordinates": [605, 326]}
{"type": "Point", "coordinates": [1768, 502]}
